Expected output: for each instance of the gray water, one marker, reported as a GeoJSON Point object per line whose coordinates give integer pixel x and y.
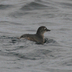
{"type": "Point", "coordinates": [18, 17]}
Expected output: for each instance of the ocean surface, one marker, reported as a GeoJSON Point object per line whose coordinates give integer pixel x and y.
{"type": "Point", "coordinates": [19, 17]}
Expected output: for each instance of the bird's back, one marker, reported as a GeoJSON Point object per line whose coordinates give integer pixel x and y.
{"type": "Point", "coordinates": [33, 37]}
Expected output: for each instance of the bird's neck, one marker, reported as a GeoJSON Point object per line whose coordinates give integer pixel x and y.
{"type": "Point", "coordinates": [40, 34]}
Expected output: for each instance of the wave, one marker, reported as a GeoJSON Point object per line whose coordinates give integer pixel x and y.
{"type": "Point", "coordinates": [66, 5]}
{"type": "Point", "coordinates": [5, 6]}
{"type": "Point", "coordinates": [37, 5]}
{"type": "Point", "coordinates": [35, 54]}
{"type": "Point", "coordinates": [11, 46]}
{"type": "Point", "coordinates": [33, 6]}
{"type": "Point", "coordinates": [14, 40]}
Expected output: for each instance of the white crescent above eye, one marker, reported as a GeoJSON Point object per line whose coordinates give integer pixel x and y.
{"type": "Point", "coordinates": [44, 28]}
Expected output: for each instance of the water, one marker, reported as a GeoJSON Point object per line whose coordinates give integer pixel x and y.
{"type": "Point", "coordinates": [18, 17]}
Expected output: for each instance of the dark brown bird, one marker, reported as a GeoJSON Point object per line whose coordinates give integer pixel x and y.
{"type": "Point", "coordinates": [38, 37]}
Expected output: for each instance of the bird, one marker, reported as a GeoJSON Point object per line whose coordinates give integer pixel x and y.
{"type": "Point", "coordinates": [38, 37]}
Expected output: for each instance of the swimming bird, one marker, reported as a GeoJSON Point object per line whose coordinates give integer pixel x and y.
{"type": "Point", "coordinates": [38, 37]}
